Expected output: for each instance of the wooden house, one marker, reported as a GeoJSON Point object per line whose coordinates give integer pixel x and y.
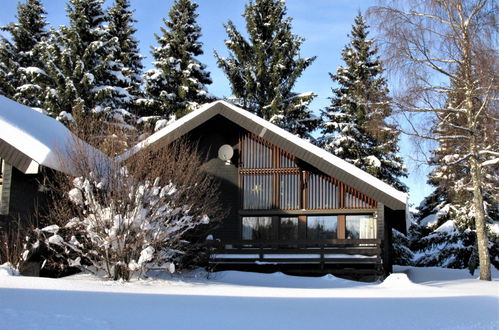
{"type": "Point", "coordinates": [32, 144]}
{"type": "Point", "coordinates": [290, 204]}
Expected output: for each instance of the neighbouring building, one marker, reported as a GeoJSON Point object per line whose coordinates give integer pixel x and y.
{"type": "Point", "coordinates": [31, 145]}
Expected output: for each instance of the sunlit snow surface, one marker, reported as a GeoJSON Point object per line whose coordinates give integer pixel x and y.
{"type": "Point", "coordinates": [413, 298]}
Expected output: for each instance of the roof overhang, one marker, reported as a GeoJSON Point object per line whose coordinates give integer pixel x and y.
{"type": "Point", "coordinates": [315, 156]}
{"type": "Point", "coordinates": [17, 159]}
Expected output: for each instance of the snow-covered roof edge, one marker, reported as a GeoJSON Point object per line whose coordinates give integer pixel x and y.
{"type": "Point", "coordinates": [27, 134]}
{"type": "Point", "coordinates": [367, 178]}
{"type": "Point", "coordinates": [164, 131]}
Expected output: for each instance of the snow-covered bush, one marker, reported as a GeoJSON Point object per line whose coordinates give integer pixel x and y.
{"type": "Point", "coordinates": [128, 218]}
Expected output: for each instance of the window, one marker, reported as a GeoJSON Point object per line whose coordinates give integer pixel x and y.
{"type": "Point", "coordinates": [288, 228]}
{"type": "Point", "coordinates": [257, 228]}
{"type": "Point", "coordinates": [360, 226]}
{"type": "Point", "coordinates": [271, 178]}
{"type": "Point", "coordinates": [257, 192]}
{"type": "Point", "coordinates": [322, 192]}
{"type": "Point", "coordinates": [289, 191]}
{"type": "Point", "coordinates": [322, 227]}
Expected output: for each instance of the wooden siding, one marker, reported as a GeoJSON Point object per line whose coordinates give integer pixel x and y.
{"type": "Point", "coordinates": [5, 188]}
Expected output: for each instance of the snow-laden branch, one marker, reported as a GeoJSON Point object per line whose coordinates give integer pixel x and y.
{"type": "Point", "coordinates": [490, 162]}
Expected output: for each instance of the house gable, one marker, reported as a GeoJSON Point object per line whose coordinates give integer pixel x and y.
{"type": "Point", "coordinates": [313, 155]}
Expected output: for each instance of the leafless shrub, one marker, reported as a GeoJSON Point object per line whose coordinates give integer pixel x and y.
{"type": "Point", "coordinates": [122, 218]}
{"type": "Point", "coordinates": [12, 240]}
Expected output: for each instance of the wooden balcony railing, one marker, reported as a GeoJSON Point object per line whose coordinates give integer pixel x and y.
{"type": "Point", "coordinates": [330, 251]}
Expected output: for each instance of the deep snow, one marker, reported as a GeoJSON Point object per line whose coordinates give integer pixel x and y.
{"type": "Point", "coordinates": [413, 298]}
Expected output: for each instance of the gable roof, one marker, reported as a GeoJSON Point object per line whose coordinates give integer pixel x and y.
{"type": "Point", "coordinates": [315, 156]}
{"type": "Point", "coordinates": [29, 138]}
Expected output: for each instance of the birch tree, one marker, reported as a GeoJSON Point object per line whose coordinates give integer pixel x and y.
{"type": "Point", "coordinates": [432, 44]}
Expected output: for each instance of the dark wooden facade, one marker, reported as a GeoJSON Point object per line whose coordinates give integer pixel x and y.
{"type": "Point", "coordinates": [23, 196]}
{"type": "Point", "coordinates": [289, 190]}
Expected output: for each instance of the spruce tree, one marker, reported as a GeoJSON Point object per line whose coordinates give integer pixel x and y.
{"type": "Point", "coordinates": [264, 68]}
{"type": "Point", "coordinates": [126, 54]}
{"type": "Point", "coordinates": [80, 60]}
{"type": "Point", "coordinates": [22, 77]}
{"type": "Point", "coordinates": [355, 127]}
{"type": "Point", "coordinates": [178, 82]}
{"type": "Point", "coordinates": [452, 198]}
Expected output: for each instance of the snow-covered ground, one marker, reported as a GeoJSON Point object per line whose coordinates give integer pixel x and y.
{"type": "Point", "coordinates": [412, 298]}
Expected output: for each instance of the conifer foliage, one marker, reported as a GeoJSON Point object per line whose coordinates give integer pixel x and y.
{"type": "Point", "coordinates": [264, 68]}
{"type": "Point", "coordinates": [126, 53]}
{"type": "Point", "coordinates": [80, 60]}
{"type": "Point", "coordinates": [22, 77]}
{"type": "Point", "coordinates": [177, 83]}
{"type": "Point", "coordinates": [355, 126]}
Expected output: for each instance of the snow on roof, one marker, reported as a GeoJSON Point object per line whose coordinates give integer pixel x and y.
{"type": "Point", "coordinates": [40, 137]}
{"type": "Point", "coordinates": [330, 158]}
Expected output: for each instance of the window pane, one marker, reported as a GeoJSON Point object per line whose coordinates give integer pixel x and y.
{"type": "Point", "coordinates": [290, 191]}
{"type": "Point", "coordinates": [256, 154]}
{"type": "Point", "coordinates": [288, 228]}
{"type": "Point", "coordinates": [287, 162]}
{"type": "Point", "coordinates": [322, 227]}
{"type": "Point", "coordinates": [360, 226]}
{"type": "Point", "coordinates": [257, 192]}
{"type": "Point", "coordinates": [257, 228]}
{"type": "Point", "coordinates": [321, 192]}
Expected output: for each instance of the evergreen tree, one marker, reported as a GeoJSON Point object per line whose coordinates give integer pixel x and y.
{"type": "Point", "coordinates": [355, 126]}
{"type": "Point", "coordinates": [452, 198]}
{"type": "Point", "coordinates": [263, 70]}
{"type": "Point", "coordinates": [126, 53]}
{"type": "Point", "coordinates": [22, 77]}
{"type": "Point", "coordinates": [402, 254]}
{"type": "Point", "coordinates": [80, 60]}
{"type": "Point", "coordinates": [177, 83]}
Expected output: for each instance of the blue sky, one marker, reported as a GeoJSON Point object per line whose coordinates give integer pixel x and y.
{"type": "Point", "coordinates": [324, 24]}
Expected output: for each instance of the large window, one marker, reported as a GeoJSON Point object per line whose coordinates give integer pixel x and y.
{"type": "Point", "coordinates": [258, 191]}
{"type": "Point", "coordinates": [360, 226]}
{"type": "Point", "coordinates": [270, 177]}
{"type": "Point", "coordinates": [257, 228]}
{"type": "Point", "coordinates": [289, 191]}
{"type": "Point", "coordinates": [322, 227]}
{"type": "Point", "coordinates": [322, 192]}
{"type": "Point", "coordinates": [288, 228]}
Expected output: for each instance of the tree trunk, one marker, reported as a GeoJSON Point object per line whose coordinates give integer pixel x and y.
{"type": "Point", "coordinates": [476, 179]}
{"type": "Point", "coordinates": [481, 230]}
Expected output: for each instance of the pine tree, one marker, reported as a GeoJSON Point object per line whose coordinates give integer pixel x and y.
{"type": "Point", "coordinates": [22, 77]}
{"type": "Point", "coordinates": [355, 126]}
{"type": "Point", "coordinates": [126, 53]}
{"type": "Point", "coordinates": [80, 60]}
{"type": "Point", "coordinates": [263, 70]}
{"type": "Point", "coordinates": [177, 83]}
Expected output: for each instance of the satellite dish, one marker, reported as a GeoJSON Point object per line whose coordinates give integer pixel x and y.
{"type": "Point", "coordinates": [225, 153]}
